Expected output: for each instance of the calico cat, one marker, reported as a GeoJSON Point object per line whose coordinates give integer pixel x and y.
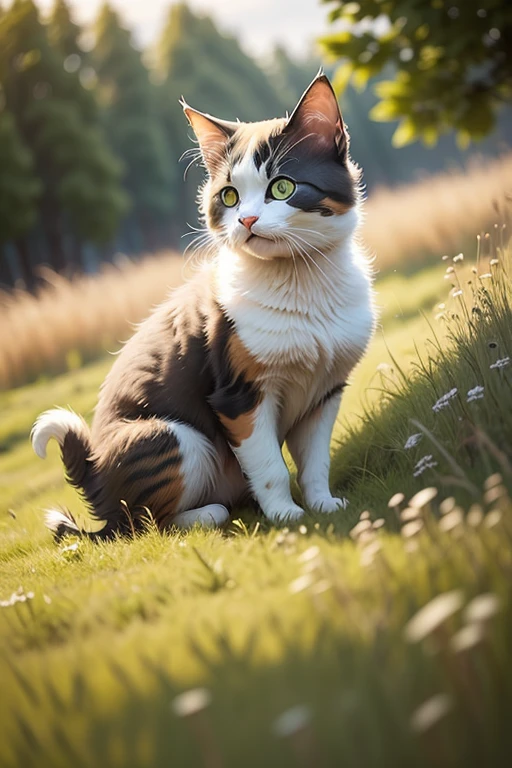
{"type": "Point", "coordinates": [252, 352]}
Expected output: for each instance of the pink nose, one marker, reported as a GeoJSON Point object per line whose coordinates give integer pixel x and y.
{"type": "Point", "coordinates": [249, 221]}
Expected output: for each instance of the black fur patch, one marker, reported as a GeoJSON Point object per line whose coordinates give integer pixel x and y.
{"type": "Point", "coordinates": [319, 172]}
{"type": "Point", "coordinates": [233, 395]}
{"type": "Point", "coordinates": [261, 154]}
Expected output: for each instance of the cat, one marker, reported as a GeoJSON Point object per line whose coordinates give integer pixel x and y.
{"type": "Point", "coordinates": [254, 351]}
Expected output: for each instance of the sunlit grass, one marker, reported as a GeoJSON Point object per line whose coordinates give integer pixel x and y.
{"type": "Point", "coordinates": [376, 637]}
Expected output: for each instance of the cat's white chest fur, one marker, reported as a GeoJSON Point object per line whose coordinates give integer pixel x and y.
{"type": "Point", "coordinates": [307, 326]}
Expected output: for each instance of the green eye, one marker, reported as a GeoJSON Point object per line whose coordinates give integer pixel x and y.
{"type": "Point", "coordinates": [229, 197]}
{"type": "Point", "coordinates": [282, 189]}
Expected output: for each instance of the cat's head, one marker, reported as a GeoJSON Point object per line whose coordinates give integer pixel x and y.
{"type": "Point", "coordinates": [279, 187]}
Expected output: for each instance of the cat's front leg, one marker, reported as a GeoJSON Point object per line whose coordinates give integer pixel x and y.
{"type": "Point", "coordinates": [253, 439]}
{"type": "Point", "coordinates": [309, 444]}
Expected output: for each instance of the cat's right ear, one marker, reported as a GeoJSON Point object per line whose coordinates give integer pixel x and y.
{"type": "Point", "coordinates": [212, 135]}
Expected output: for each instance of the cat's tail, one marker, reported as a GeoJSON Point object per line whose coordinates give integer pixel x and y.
{"type": "Point", "coordinates": [74, 438]}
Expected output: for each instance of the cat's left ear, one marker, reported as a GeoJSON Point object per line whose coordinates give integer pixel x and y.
{"type": "Point", "coordinates": [212, 134]}
{"type": "Point", "coordinates": [318, 114]}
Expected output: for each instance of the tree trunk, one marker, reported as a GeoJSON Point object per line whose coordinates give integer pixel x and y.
{"type": "Point", "coordinates": [25, 264]}
{"type": "Point", "coordinates": [56, 256]}
{"type": "Point", "coordinates": [6, 276]}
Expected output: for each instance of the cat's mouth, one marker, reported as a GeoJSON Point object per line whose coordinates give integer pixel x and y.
{"type": "Point", "coordinates": [253, 236]}
{"type": "Point", "coordinates": [263, 246]}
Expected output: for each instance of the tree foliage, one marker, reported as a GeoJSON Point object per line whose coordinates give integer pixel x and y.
{"type": "Point", "coordinates": [133, 125]}
{"type": "Point", "coordinates": [64, 34]}
{"type": "Point", "coordinates": [212, 72]}
{"type": "Point", "coordinates": [91, 135]}
{"type": "Point", "coordinates": [19, 186]}
{"type": "Point", "coordinates": [452, 67]}
{"type": "Point", "coordinates": [56, 118]}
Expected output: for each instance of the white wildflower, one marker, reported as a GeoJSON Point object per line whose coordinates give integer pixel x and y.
{"type": "Point", "coordinates": [20, 596]}
{"type": "Point", "coordinates": [292, 721]}
{"type": "Point", "coordinates": [476, 393]}
{"type": "Point", "coordinates": [412, 441]}
{"type": "Point", "coordinates": [501, 363]}
{"type": "Point", "coordinates": [456, 292]}
{"type": "Point", "coordinates": [191, 702]}
{"type": "Point", "coordinates": [430, 713]}
{"type": "Point", "coordinates": [426, 462]}
{"type": "Point", "coordinates": [459, 257]}
{"type": "Point", "coordinates": [396, 500]}
{"type": "Point", "coordinates": [482, 608]}
{"type": "Point", "coordinates": [444, 400]}
{"type": "Point", "coordinates": [429, 618]}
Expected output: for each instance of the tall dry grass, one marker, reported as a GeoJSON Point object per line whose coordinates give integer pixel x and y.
{"type": "Point", "coordinates": [68, 322]}
{"type": "Point", "coordinates": [437, 215]}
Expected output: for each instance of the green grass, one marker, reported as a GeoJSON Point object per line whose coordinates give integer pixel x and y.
{"type": "Point", "coordinates": [100, 639]}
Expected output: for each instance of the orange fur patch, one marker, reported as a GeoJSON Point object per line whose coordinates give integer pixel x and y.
{"type": "Point", "coordinates": [239, 429]}
{"type": "Point", "coordinates": [334, 205]}
{"type": "Point", "coordinates": [242, 362]}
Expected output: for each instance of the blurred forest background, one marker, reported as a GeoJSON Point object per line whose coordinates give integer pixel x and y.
{"type": "Point", "coordinates": [91, 132]}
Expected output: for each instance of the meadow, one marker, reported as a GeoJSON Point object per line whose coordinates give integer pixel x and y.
{"type": "Point", "coordinates": [379, 636]}
{"type": "Point", "coordinates": [68, 323]}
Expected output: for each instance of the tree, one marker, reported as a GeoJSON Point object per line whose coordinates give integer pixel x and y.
{"type": "Point", "coordinates": [134, 129]}
{"type": "Point", "coordinates": [289, 76]}
{"type": "Point", "coordinates": [57, 120]}
{"type": "Point", "coordinates": [64, 34]}
{"type": "Point", "coordinates": [214, 75]}
{"type": "Point", "coordinates": [451, 57]}
{"type": "Point", "coordinates": [19, 190]}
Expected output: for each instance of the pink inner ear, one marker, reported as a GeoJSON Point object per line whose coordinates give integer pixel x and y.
{"type": "Point", "coordinates": [324, 107]}
{"type": "Point", "coordinates": [318, 113]}
{"type": "Point", "coordinates": [211, 136]}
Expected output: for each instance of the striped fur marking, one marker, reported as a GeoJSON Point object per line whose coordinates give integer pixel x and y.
{"type": "Point", "coordinates": [150, 470]}
{"type": "Point", "coordinates": [237, 393]}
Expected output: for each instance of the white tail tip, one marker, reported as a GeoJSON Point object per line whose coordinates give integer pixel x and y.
{"type": "Point", "coordinates": [54, 519]}
{"type": "Point", "coordinates": [55, 423]}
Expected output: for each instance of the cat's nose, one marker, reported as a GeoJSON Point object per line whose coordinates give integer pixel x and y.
{"type": "Point", "coordinates": [248, 221]}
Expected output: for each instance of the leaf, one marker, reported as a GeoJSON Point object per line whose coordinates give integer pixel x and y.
{"type": "Point", "coordinates": [430, 136]}
{"type": "Point", "coordinates": [342, 77]}
{"type": "Point", "coordinates": [463, 139]}
{"type": "Point", "coordinates": [384, 111]}
{"type": "Point", "coordinates": [404, 134]}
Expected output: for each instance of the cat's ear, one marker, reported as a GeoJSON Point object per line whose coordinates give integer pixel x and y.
{"type": "Point", "coordinates": [318, 115]}
{"type": "Point", "coordinates": [212, 134]}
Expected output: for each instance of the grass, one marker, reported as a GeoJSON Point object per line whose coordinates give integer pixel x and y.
{"type": "Point", "coordinates": [69, 323]}
{"type": "Point", "coordinates": [376, 637]}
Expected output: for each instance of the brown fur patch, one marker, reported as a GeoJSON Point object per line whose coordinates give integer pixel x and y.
{"type": "Point", "coordinates": [238, 429]}
{"type": "Point", "coordinates": [242, 362]}
{"type": "Point", "coordinates": [157, 484]}
{"type": "Point", "coordinates": [335, 206]}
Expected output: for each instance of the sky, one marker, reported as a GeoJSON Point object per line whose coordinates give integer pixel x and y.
{"type": "Point", "coordinates": [258, 24]}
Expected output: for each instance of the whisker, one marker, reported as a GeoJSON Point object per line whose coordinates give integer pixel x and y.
{"type": "Point", "coordinates": [302, 249]}
{"type": "Point", "coordinates": [311, 231]}
{"type": "Point", "coordinates": [322, 254]}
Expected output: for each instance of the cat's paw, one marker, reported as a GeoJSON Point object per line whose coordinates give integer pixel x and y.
{"type": "Point", "coordinates": [328, 504]}
{"type": "Point", "coordinates": [287, 514]}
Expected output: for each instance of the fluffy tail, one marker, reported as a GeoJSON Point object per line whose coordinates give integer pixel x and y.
{"type": "Point", "coordinates": [73, 435]}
